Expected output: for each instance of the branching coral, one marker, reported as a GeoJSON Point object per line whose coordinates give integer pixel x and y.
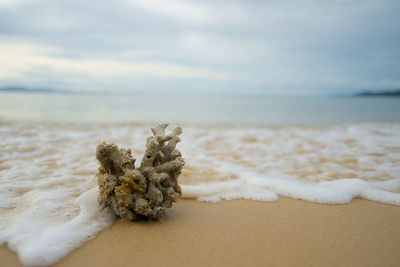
{"type": "Point", "coordinates": [145, 192]}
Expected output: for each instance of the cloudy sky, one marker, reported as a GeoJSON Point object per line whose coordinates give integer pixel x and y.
{"type": "Point", "coordinates": [201, 47]}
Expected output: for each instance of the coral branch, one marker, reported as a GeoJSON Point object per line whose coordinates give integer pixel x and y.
{"type": "Point", "coordinates": [145, 192]}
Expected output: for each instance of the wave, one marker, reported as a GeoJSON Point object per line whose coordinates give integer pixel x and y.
{"type": "Point", "coordinates": [48, 195]}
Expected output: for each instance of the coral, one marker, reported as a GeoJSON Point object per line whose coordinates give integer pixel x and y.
{"type": "Point", "coordinates": [145, 192]}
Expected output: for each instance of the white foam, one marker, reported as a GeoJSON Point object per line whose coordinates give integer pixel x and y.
{"type": "Point", "coordinates": [48, 198]}
{"type": "Point", "coordinates": [45, 244]}
{"type": "Point", "coordinates": [329, 165]}
{"type": "Point", "coordinates": [48, 191]}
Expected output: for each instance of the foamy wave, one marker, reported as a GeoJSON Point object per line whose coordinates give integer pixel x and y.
{"type": "Point", "coordinates": [48, 191]}
{"type": "Point", "coordinates": [44, 243]}
{"type": "Point", "coordinates": [329, 165]}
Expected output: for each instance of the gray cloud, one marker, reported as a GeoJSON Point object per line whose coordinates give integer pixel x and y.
{"type": "Point", "coordinates": [267, 47]}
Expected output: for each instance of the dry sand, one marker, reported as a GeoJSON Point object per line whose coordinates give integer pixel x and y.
{"type": "Point", "coordinates": [246, 233]}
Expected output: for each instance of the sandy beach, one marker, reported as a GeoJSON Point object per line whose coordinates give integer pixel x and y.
{"type": "Point", "coordinates": [242, 133]}
{"type": "Point", "coordinates": [248, 233]}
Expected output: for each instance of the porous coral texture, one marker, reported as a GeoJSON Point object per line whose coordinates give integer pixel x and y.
{"type": "Point", "coordinates": [145, 192]}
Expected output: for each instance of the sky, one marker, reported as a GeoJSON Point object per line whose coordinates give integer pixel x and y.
{"type": "Point", "coordinates": [201, 47]}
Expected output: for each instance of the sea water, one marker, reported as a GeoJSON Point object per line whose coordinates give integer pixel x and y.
{"type": "Point", "coordinates": [323, 150]}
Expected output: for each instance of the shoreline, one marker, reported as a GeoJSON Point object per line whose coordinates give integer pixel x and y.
{"type": "Point", "coordinates": [242, 232]}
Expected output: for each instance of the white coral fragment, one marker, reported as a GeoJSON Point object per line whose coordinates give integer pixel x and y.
{"type": "Point", "coordinates": [145, 192]}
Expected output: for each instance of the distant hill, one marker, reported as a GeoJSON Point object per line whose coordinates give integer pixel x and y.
{"type": "Point", "coordinates": [388, 93]}
{"type": "Point", "coordinates": [22, 89]}
{"type": "Point", "coordinates": [26, 90]}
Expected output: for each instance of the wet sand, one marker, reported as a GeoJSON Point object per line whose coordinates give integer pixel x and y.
{"type": "Point", "coordinates": [247, 233]}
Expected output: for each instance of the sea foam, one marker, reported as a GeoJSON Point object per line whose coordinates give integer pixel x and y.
{"type": "Point", "coordinates": [48, 192]}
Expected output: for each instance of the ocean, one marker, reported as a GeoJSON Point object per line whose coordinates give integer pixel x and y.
{"type": "Point", "coordinates": [197, 110]}
{"type": "Point", "coordinates": [318, 149]}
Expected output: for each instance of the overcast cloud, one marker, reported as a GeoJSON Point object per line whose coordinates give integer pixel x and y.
{"type": "Point", "coordinates": [237, 47]}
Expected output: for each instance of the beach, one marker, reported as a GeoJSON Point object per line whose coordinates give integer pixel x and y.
{"type": "Point", "coordinates": [286, 232]}
{"type": "Point", "coordinates": [199, 133]}
{"type": "Point", "coordinates": [253, 193]}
